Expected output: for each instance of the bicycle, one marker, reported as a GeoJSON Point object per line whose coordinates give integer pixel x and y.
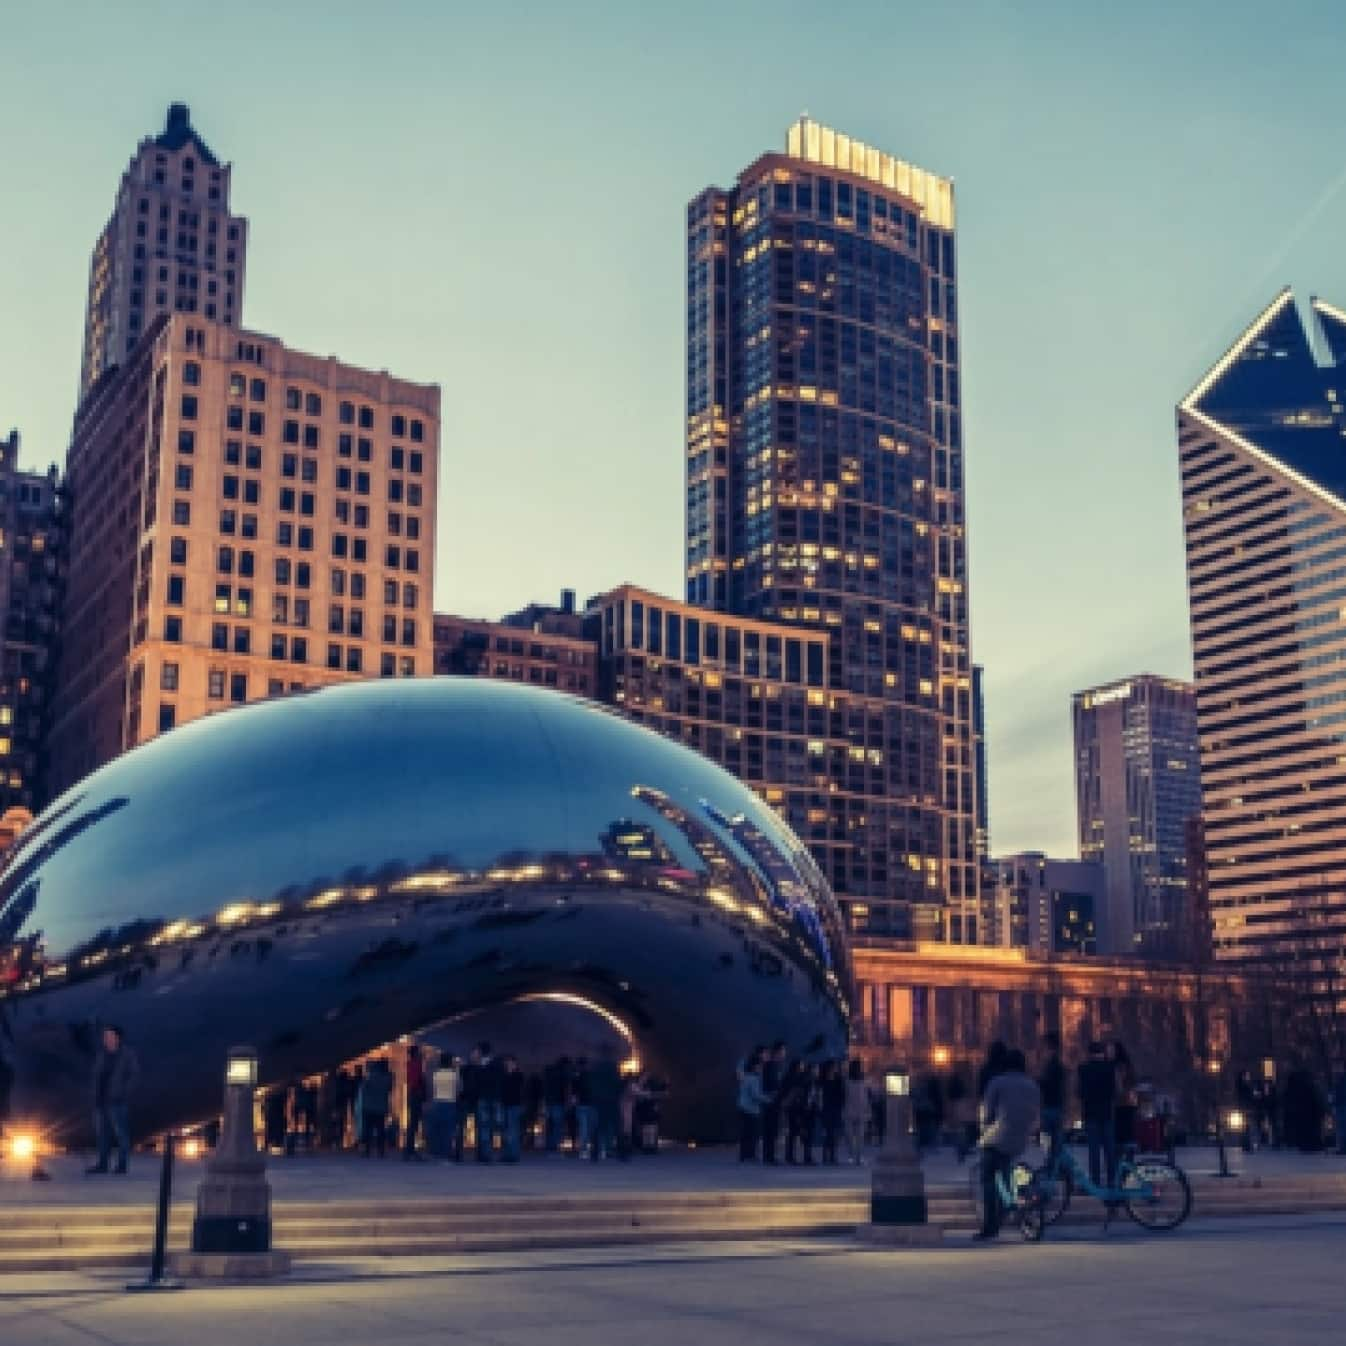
{"type": "Point", "coordinates": [1021, 1199]}
{"type": "Point", "coordinates": [1152, 1191]}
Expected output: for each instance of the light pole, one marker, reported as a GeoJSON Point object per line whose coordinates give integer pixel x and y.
{"type": "Point", "coordinates": [231, 1235]}
{"type": "Point", "coordinates": [897, 1206]}
{"type": "Point", "coordinates": [1213, 1068]}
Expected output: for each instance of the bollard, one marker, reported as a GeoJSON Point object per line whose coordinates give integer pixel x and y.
{"type": "Point", "coordinates": [157, 1280]}
{"type": "Point", "coordinates": [898, 1211]}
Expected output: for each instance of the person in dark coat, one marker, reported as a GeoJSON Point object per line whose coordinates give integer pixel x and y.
{"type": "Point", "coordinates": [996, 1056]}
{"type": "Point", "coordinates": [1098, 1097]}
{"type": "Point", "coordinates": [773, 1076]}
{"type": "Point", "coordinates": [115, 1074]}
{"type": "Point", "coordinates": [605, 1098]}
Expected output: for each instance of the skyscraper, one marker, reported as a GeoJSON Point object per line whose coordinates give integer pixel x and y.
{"type": "Point", "coordinates": [170, 245]}
{"type": "Point", "coordinates": [1137, 783]}
{"type": "Point", "coordinates": [246, 520]}
{"type": "Point", "coordinates": [1262, 447]}
{"type": "Point", "coordinates": [825, 492]}
{"type": "Point", "coordinates": [32, 553]}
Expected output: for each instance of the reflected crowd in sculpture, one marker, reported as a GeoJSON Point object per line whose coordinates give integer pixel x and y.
{"type": "Point", "coordinates": [320, 874]}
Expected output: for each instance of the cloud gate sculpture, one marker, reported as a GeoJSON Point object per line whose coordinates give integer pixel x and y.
{"type": "Point", "coordinates": [318, 875]}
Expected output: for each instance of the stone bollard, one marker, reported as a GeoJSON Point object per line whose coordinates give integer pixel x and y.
{"type": "Point", "coordinates": [231, 1234]}
{"type": "Point", "coordinates": [898, 1212]}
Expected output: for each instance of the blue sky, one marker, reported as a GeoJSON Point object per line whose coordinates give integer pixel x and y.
{"type": "Point", "coordinates": [490, 197]}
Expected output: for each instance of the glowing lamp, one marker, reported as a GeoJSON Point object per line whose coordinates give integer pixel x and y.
{"type": "Point", "coordinates": [241, 1067]}
{"type": "Point", "coordinates": [23, 1146]}
{"type": "Point", "coordinates": [897, 1084]}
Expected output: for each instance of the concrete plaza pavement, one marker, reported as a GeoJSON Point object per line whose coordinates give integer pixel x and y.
{"type": "Point", "coordinates": [1235, 1283]}
{"type": "Point", "coordinates": [675, 1169]}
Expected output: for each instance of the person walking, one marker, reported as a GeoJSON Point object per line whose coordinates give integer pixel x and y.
{"type": "Point", "coordinates": [833, 1086]}
{"type": "Point", "coordinates": [750, 1103]}
{"type": "Point", "coordinates": [585, 1119]}
{"type": "Point", "coordinates": [1012, 1103]}
{"type": "Point", "coordinates": [857, 1110]}
{"type": "Point", "coordinates": [1097, 1081]}
{"type": "Point", "coordinates": [773, 1076]}
{"type": "Point", "coordinates": [116, 1071]}
{"type": "Point", "coordinates": [1052, 1086]}
{"type": "Point", "coordinates": [441, 1118]}
{"type": "Point", "coordinates": [418, 1091]}
{"type": "Point", "coordinates": [633, 1093]}
{"type": "Point", "coordinates": [375, 1096]}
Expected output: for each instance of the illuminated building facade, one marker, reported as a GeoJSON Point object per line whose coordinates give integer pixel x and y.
{"type": "Point", "coordinates": [32, 558]}
{"type": "Point", "coordinates": [825, 493]}
{"type": "Point", "coordinates": [480, 649]}
{"type": "Point", "coordinates": [1262, 448]}
{"type": "Point", "coordinates": [1044, 905]}
{"type": "Point", "coordinates": [171, 245]}
{"type": "Point", "coordinates": [1137, 782]}
{"type": "Point", "coordinates": [246, 520]}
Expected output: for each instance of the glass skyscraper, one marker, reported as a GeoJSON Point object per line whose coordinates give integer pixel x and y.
{"type": "Point", "coordinates": [1262, 446]}
{"type": "Point", "coordinates": [825, 491]}
{"type": "Point", "coordinates": [1137, 785]}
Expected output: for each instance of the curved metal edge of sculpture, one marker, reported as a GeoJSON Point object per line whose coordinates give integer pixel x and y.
{"type": "Point", "coordinates": [323, 874]}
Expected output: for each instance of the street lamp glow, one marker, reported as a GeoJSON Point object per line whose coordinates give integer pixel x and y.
{"type": "Point", "coordinates": [23, 1146]}
{"type": "Point", "coordinates": [242, 1067]}
{"type": "Point", "coordinates": [1213, 1066]}
{"type": "Point", "coordinates": [1236, 1120]}
{"type": "Point", "coordinates": [897, 1084]}
{"type": "Point", "coordinates": [940, 1056]}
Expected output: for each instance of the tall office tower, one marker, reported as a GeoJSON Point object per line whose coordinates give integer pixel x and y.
{"type": "Point", "coordinates": [979, 759]}
{"type": "Point", "coordinates": [170, 246]}
{"type": "Point", "coordinates": [825, 491]}
{"type": "Point", "coordinates": [1137, 783]}
{"type": "Point", "coordinates": [246, 520]}
{"type": "Point", "coordinates": [1262, 447]}
{"type": "Point", "coordinates": [32, 551]}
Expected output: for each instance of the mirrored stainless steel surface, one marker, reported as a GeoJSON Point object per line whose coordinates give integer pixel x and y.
{"type": "Point", "coordinates": [320, 874]}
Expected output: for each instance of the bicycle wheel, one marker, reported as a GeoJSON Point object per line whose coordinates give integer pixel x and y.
{"type": "Point", "coordinates": [1156, 1194]}
{"type": "Point", "coordinates": [1056, 1189]}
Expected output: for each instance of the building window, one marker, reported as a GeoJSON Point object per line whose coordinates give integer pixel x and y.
{"type": "Point", "coordinates": [224, 561]}
{"type": "Point", "coordinates": [167, 717]}
{"type": "Point", "coordinates": [188, 407]}
{"type": "Point", "coordinates": [256, 424]}
{"type": "Point", "coordinates": [215, 684]}
{"type": "Point", "coordinates": [191, 374]}
{"type": "Point", "coordinates": [257, 391]}
{"type": "Point", "coordinates": [177, 550]}
{"type": "Point", "coordinates": [299, 650]}
{"type": "Point", "coordinates": [186, 441]}
{"type": "Point", "coordinates": [399, 428]}
{"type": "Point", "coordinates": [242, 640]}
{"type": "Point", "coordinates": [354, 661]}
{"type": "Point", "coordinates": [346, 413]}
{"type": "Point", "coordinates": [219, 636]}
{"type": "Point", "coordinates": [408, 631]}
{"type": "Point", "coordinates": [409, 595]}
{"type": "Point", "coordinates": [176, 587]}
{"type": "Point", "coordinates": [417, 431]}
{"type": "Point", "coordinates": [366, 418]}
{"type": "Point", "coordinates": [238, 688]}
{"type": "Point", "coordinates": [182, 477]}
{"type": "Point", "coordinates": [168, 677]}
{"type": "Point", "coordinates": [416, 461]}
{"type": "Point", "coordinates": [182, 513]}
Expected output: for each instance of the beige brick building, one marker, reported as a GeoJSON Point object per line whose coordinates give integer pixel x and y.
{"type": "Point", "coordinates": [247, 520]}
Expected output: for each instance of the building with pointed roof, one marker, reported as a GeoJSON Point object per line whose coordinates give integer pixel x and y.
{"type": "Point", "coordinates": [171, 245]}
{"type": "Point", "coordinates": [1262, 447]}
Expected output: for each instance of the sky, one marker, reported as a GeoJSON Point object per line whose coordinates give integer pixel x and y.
{"type": "Point", "coordinates": [490, 197]}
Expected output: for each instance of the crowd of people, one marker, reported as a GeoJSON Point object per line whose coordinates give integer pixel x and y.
{"type": "Point", "coordinates": [814, 1106]}
{"type": "Point", "coordinates": [485, 1108]}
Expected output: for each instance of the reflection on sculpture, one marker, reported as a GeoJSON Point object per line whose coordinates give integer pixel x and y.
{"type": "Point", "coordinates": [321, 874]}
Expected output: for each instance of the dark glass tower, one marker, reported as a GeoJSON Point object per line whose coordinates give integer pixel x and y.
{"type": "Point", "coordinates": [825, 490]}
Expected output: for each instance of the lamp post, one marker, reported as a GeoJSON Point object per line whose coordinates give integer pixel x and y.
{"type": "Point", "coordinates": [897, 1207]}
{"type": "Point", "coordinates": [1213, 1068]}
{"type": "Point", "coordinates": [231, 1235]}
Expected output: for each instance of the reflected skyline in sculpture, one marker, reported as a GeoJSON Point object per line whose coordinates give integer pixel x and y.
{"type": "Point", "coordinates": [324, 874]}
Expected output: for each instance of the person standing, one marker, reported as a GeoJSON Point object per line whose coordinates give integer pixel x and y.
{"type": "Point", "coordinates": [991, 1067]}
{"type": "Point", "coordinates": [555, 1087]}
{"type": "Point", "coordinates": [833, 1087]}
{"type": "Point", "coordinates": [375, 1095]}
{"type": "Point", "coordinates": [1097, 1080]}
{"type": "Point", "coordinates": [1126, 1107]}
{"type": "Point", "coordinates": [417, 1093]}
{"type": "Point", "coordinates": [1012, 1103]}
{"type": "Point", "coordinates": [115, 1074]}
{"type": "Point", "coordinates": [773, 1077]}
{"type": "Point", "coordinates": [1052, 1086]}
{"type": "Point", "coordinates": [488, 1102]}
{"type": "Point", "coordinates": [857, 1110]}
{"type": "Point", "coordinates": [511, 1110]}
{"type": "Point", "coordinates": [441, 1118]}
{"type": "Point", "coordinates": [605, 1099]}
{"type": "Point", "coordinates": [750, 1102]}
